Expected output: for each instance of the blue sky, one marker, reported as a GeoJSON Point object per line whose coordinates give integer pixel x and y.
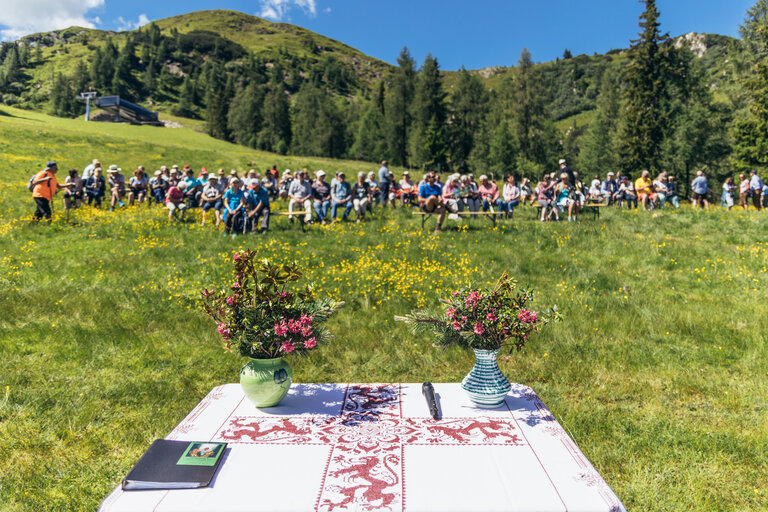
{"type": "Point", "coordinates": [475, 34]}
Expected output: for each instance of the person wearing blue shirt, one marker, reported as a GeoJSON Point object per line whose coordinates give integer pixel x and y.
{"type": "Point", "coordinates": [700, 188]}
{"type": "Point", "coordinates": [258, 205]}
{"type": "Point", "coordinates": [384, 182]}
{"type": "Point", "coordinates": [234, 201]}
{"type": "Point", "coordinates": [194, 188]}
{"type": "Point", "coordinates": [431, 199]}
{"type": "Point", "coordinates": [756, 188]}
{"type": "Point", "coordinates": [342, 197]}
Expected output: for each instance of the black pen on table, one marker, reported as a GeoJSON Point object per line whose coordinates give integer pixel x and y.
{"type": "Point", "coordinates": [429, 393]}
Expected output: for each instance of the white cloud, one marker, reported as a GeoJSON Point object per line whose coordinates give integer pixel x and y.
{"type": "Point", "coordinates": [277, 10]}
{"type": "Point", "coordinates": [123, 24]}
{"type": "Point", "coordinates": [19, 18]}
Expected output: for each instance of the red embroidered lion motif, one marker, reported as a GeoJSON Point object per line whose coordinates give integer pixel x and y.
{"type": "Point", "coordinates": [363, 469]}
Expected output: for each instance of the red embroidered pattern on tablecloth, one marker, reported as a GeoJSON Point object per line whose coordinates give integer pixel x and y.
{"type": "Point", "coordinates": [365, 465]}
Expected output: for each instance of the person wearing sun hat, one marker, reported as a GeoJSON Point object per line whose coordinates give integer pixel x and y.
{"type": "Point", "coordinates": [116, 187]}
{"type": "Point", "coordinates": [285, 183]}
{"type": "Point", "coordinates": [157, 188]}
{"type": "Point", "coordinates": [174, 200]}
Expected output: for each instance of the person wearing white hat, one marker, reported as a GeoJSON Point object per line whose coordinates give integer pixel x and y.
{"type": "Point", "coordinates": [285, 183]}
{"type": "Point", "coordinates": [451, 196]}
{"type": "Point", "coordinates": [407, 189]}
{"type": "Point", "coordinates": [174, 200]}
{"type": "Point", "coordinates": [157, 188]}
{"type": "Point", "coordinates": [116, 187]}
{"type": "Point", "coordinates": [321, 196]}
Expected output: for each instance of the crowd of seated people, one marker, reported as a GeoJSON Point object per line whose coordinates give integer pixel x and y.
{"type": "Point", "coordinates": [242, 203]}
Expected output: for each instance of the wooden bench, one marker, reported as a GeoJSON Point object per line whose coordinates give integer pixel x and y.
{"type": "Point", "coordinates": [595, 207]}
{"type": "Point", "coordinates": [488, 215]}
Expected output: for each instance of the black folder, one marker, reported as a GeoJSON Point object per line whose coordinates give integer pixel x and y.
{"type": "Point", "coordinates": [165, 465]}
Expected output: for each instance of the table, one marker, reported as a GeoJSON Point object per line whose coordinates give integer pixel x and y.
{"type": "Point", "coordinates": [364, 447]}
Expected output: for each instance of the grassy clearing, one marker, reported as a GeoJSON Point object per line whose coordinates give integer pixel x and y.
{"type": "Point", "coordinates": [658, 371]}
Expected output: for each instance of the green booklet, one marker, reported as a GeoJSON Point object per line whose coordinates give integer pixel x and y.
{"type": "Point", "coordinates": [201, 454]}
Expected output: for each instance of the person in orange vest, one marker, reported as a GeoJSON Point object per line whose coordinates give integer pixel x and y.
{"type": "Point", "coordinates": [44, 188]}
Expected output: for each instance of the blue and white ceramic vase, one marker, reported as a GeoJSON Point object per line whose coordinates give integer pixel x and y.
{"type": "Point", "coordinates": [485, 384]}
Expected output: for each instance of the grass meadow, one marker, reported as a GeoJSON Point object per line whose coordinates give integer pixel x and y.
{"type": "Point", "coordinates": [658, 370]}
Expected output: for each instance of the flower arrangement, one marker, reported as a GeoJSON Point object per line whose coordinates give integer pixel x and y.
{"type": "Point", "coordinates": [261, 317]}
{"type": "Point", "coordinates": [484, 319]}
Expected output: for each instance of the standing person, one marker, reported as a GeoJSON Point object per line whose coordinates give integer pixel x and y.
{"type": "Point", "coordinates": [544, 192]}
{"type": "Point", "coordinates": [743, 191]}
{"type": "Point", "coordinates": [672, 196]}
{"type": "Point", "coordinates": [727, 199]}
{"type": "Point", "coordinates": [567, 170]}
{"type": "Point", "coordinates": [361, 196]}
{"type": "Point", "coordinates": [73, 193]}
{"type": "Point", "coordinates": [95, 186]}
{"type": "Point", "coordinates": [430, 199]}
{"type": "Point", "coordinates": [384, 182]}
{"type": "Point", "coordinates": [212, 199]}
{"type": "Point", "coordinates": [644, 190]}
{"type": "Point", "coordinates": [44, 187]}
{"type": "Point", "coordinates": [174, 200]}
{"type": "Point", "coordinates": [321, 194]}
{"type": "Point", "coordinates": [511, 195]}
{"type": "Point", "coordinates": [300, 194]}
{"type": "Point", "coordinates": [489, 193]}
{"type": "Point", "coordinates": [341, 196]}
{"type": "Point", "coordinates": [700, 188]}
{"type": "Point", "coordinates": [755, 188]}
{"type": "Point", "coordinates": [234, 203]}
{"type": "Point", "coordinates": [258, 206]}
{"type": "Point", "coordinates": [116, 187]}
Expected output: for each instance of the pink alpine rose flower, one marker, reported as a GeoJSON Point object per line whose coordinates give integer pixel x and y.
{"type": "Point", "coordinates": [479, 329]}
{"type": "Point", "coordinates": [222, 329]}
{"type": "Point", "coordinates": [310, 343]}
{"type": "Point", "coordinates": [287, 347]}
{"type": "Point", "coordinates": [491, 316]}
{"type": "Point", "coordinates": [450, 313]}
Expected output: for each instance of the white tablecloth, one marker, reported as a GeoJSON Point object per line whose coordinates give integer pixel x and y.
{"type": "Point", "coordinates": [364, 447]}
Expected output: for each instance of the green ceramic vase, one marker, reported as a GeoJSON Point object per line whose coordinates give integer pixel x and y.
{"type": "Point", "coordinates": [266, 381]}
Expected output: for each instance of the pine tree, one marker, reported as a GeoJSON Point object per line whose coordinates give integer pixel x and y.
{"type": "Point", "coordinates": [751, 132]}
{"type": "Point", "coordinates": [275, 134]}
{"type": "Point", "coordinates": [429, 112]}
{"type": "Point", "coordinates": [370, 144]}
{"type": "Point", "coordinates": [502, 149]}
{"type": "Point", "coordinates": [397, 108]}
{"type": "Point", "coordinates": [532, 121]}
{"type": "Point", "coordinates": [646, 77]}
{"type": "Point", "coordinates": [469, 106]}
{"type": "Point", "coordinates": [317, 125]}
{"type": "Point", "coordinates": [245, 115]}
{"type": "Point", "coordinates": [217, 103]}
